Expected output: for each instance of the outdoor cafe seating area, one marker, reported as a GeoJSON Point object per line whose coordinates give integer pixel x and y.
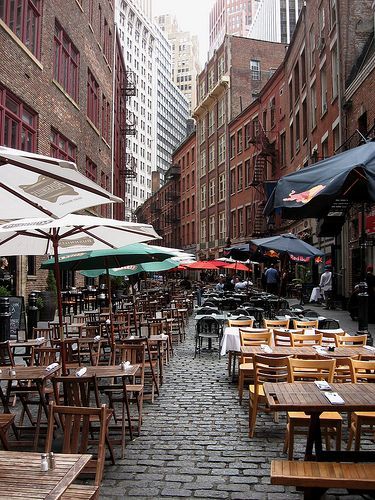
{"type": "Point", "coordinates": [86, 407]}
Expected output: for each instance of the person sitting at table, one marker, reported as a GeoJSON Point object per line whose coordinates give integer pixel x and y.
{"type": "Point", "coordinates": [220, 284]}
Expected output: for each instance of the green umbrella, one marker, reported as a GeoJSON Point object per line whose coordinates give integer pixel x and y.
{"type": "Point", "coordinates": [135, 253]}
{"type": "Point", "coordinates": [148, 267]}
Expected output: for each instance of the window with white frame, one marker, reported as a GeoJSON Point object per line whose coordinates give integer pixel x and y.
{"type": "Point", "coordinates": [221, 112]}
{"type": "Point", "coordinates": [211, 78]}
{"type": "Point", "coordinates": [335, 71]}
{"type": "Point", "coordinates": [203, 196]}
{"type": "Point", "coordinates": [255, 69]}
{"type": "Point", "coordinates": [211, 157]}
{"type": "Point", "coordinates": [220, 67]}
{"type": "Point", "coordinates": [221, 149]}
{"type": "Point", "coordinates": [312, 47]}
{"type": "Point", "coordinates": [323, 87]}
{"type": "Point", "coordinates": [203, 231]}
{"type": "Point", "coordinates": [211, 192]}
{"type": "Point", "coordinates": [221, 187]}
{"type": "Point", "coordinates": [314, 106]}
{"type": "Point", "coordinates": [222, 226]}
{"type": "Point", "coordinates": [211, 122]}
{"type": "Point", "coordinates": [203, 130]}
{"type": "Point", "coordinates": [240, 222]}
{"type": "Point", "coordinates": [212, 228]}
{"type": "Point", "coordinates": [203, 162]}
{"type": "Point", "coordinates": [333, 12]}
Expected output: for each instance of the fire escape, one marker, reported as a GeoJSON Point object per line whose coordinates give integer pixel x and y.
{"type": "Point", "coordinates": [128, 127]}
{"type": "Point", "coordinates": [265, 158]}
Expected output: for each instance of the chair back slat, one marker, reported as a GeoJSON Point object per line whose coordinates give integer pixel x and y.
{"type": "Point", "coordinates": [311, 369]}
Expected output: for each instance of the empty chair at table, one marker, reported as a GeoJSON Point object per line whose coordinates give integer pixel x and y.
{"type": "Point", "coordinates": [239, 322]}
{"type": "Point", "coordinates": [305, 339]}
{"type": "Point", "coordinates": [207, 328]}
{"type": "Point", "coordinates": [266, 369]}
{"type": "Point", "coordinates": [329, 324]}
{"type": "Point", "coordinates": [208, 310]}
{"type": "Point", "coordinates": [282, 337]}
{"type": "Point", "coordinates": [274, 323]}
{"type": "Point", "coordinates": [329, 337]}
{"type": "Point", "coordinates": [249, 337]}
{"type": "Point", "coordinates": [351, 340]}
{"type": "Point", "coordinates": [297, 421]}
{"type": "Point", "coordinates": [361, 372]}
{"type": "Point", "coordinates": [305, 324]}
{"type": "Point", "coordinates": [77, 439]}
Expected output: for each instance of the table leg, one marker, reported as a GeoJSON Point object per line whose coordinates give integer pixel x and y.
{"type": "Point", "coordinates": [234, 356]}
{"type": "Point", "coordinates": [314, 437]}
{"type": "Point", "coordinates": [4, 401]}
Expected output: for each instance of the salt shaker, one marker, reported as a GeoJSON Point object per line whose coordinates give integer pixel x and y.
{"type": "Point", "coordinates": [43, 462]}
{"type": "Point", "coordinates": [51, 460]}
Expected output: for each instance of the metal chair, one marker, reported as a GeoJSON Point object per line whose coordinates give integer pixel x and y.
{"type": "Point", "coordinates": [207, 328]}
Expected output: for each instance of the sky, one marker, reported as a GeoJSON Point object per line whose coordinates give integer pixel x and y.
{"type": "Point", "coordinates": [192, 15]}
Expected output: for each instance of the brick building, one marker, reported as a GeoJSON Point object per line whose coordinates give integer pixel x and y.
{"type": "Point", "coordinates": [56, 94]}
{"type": "Point", "coordinates": [231, 80]}
{"type": "Point", "coordinates": [185, 157]}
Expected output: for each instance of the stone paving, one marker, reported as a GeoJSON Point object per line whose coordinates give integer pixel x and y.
{"type": "Point", "coordinates": [194, 441]}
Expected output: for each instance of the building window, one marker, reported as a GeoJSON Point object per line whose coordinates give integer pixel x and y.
{"type": "Point", "coordinates": [203, 231]}
{"type": "Point", "coordinates": [31, 265]}
{"type": "Point", "coordinates": [61, 147]}
{"type": "Point", "coordinates": [312, 47]}
{"type": "Point", "coordinates": [222, 226]}
{"type": "Point", "coordinates": [303, 68]}
{"type": "Point", "coordinates": [239, 141]}
{"type": "Point", "coordinates": [325, 148]}
{"type": "Point", "coordinates": [314, 106]}
{"type": "Point", "coordinates": [233, 181]}
{"type": "Point", "coordinates": [221, 112]}
{"type": "Point", "coordinates": [273, 112]}
{"type": "Point", "coordinates": [248, 219]}
{"type": "Point", "coordinates": [221, 149]}
{"type": "Point", "coordinates": [240, 222]}
{"type": "Point", "coordinates": [323, 86]}
{"type": "Point", "coordinates": [336, 138]}
{"type": "Point", "coordinates": [234, 224]}
{"type": "Point", "coordinates": [247, 135]}
{"type": "Point", "coordinates": [91, 170]}
{"type": "Point", "coordinates": [247, 173]}
{"type": "Point", "coordinates": [211, 122]}
{"type": "Point", "coordinates": [232, 146]}
{"type": "Point", "coordinates": [91, 12]}
{"type": "Point", "coordinates": [283, 149]}
{"type": "Point", "coordinates": [335, 71]}
{"type": "Point", "coordinates": [211, 157]}
{"type": "Point", "coordinates": [24, 18]}
{"type": "Point", "coordinates": [66, 62]}
{"type": "Point", "coordinates": [239, 177]}
{"type": "Point", "coordinates": [203, 130]}
{"type": "Point", "coordinates": [211, 79]}
{"type": "Point", "coordinates": [220, 67]}
{"type": "Point", "coordinates": [221, 187]}
{"type": "Point", "coordinates": [212, 228]}
{"type": "Point", "coordinates": [203, 196]}
{"type": "Point", "coordinates": [291, 140]}
{"type": "Point", "coordinates": [304, 120]}
{"type": "Point", "coordinates": [107, 42]}
{"type": "Point", "coordinates": [18, 123]}
{"type": "Point", "coordinates": [211, 192]}
{"type": "Point", "coordinates": [92, 99]}
{"type": "Point", "coordinates": [255, 69]}
{"type": "Point", "coordinates": [333, 9]}
{"type": "Point", "coordinates": [106, 119]}
{"type": "Point", "coordinates": [203, 162]}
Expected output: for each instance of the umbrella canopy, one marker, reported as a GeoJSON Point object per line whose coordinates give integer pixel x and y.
{"type": "Point", "coordinates": [287, 244]}
{"type": "Point", "coordinates": [237, 266]}
{"type": "Point", "coordinates": [37, 186]}
{"type": "Point", "coordinates": [147, 267]}
{"type": "Point", "coordinates": [201, 264]}
{"type": "Point", "coordinates": [72, 233]}
{"type": "Point", "coordinates": [313, 191]}
{"type": "Point", "coordinates": [110, 258]}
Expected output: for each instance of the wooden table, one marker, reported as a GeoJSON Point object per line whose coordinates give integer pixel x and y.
{"type": "Point", "coordinates": [21, 477]}
{"type": "Point", "coordinates": [307, 351]}
{"type": "Point", "coordinates": [37, 374]}
{"type": "Point", "coordinates": [306, 397]}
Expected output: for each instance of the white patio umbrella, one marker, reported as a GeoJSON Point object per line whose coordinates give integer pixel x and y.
{"type": "Point", "coordinates": [72, 233]}
{"type": "Point", "coordinates": [33, 185]}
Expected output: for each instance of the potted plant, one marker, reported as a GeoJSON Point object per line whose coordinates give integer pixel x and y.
{"type": "Point", "coordinates": [4, 292]}
{"type": "Point", "coordinates": [49, 299]}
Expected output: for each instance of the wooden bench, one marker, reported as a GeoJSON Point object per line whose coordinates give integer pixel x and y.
{"type": "Point", "coordinates": [316, 477]}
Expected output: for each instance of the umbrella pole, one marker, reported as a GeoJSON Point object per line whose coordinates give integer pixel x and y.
{"type": "Point", "coordinates": [112, 333]}
{"type": "Point", "coordinates": [56, 269]}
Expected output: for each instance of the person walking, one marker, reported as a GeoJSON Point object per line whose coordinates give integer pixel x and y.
{"type": "Point", "coordinates": [272, 279]}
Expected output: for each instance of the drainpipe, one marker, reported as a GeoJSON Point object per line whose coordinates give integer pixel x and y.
{"type": "Point", "coordinates": [113, 114]}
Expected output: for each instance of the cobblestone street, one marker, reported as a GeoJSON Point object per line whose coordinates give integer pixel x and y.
{"type": "Point", "coordinates": [194, 440]}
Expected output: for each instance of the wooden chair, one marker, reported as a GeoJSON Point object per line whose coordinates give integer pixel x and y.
{"type": "Point", "coordinates": [297, 323]}
{"type": "Point", "coordinates": [6, 355]}
{"type": "Point", "coordinates": [305, 339]}
{"type": "Point", "coordinates": [283, 338]}
{"type": "Point", "coordinates": [328, 338]}
{"type": "Point", "coordinates": [76, 433]}
{"type": "Point", "coordinates": [361, 372]}
{"type": "Point", "coordinates": [311, 370]}
{"type": "Point", "coordinates": [274, 323]}
{"type": "Point", "coordinates": [351, 340]}
{"type": "Point", "coordinates": [246, 368]}
{"type": "Point", "coordinates": [266, 369]}
{"type": "Point", "coordinates": [237, 323]}
{"type": "Point", "coordinates": [6, 420]}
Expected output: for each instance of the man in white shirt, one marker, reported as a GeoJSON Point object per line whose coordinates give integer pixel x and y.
{"type": "Point", "coordinates": [325, 286]}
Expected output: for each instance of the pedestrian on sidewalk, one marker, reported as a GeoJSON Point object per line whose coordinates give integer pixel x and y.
{"type": "Point", "coordinates": [324, 290]}
{"type": "Point", "coordinates": [272, 279]}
